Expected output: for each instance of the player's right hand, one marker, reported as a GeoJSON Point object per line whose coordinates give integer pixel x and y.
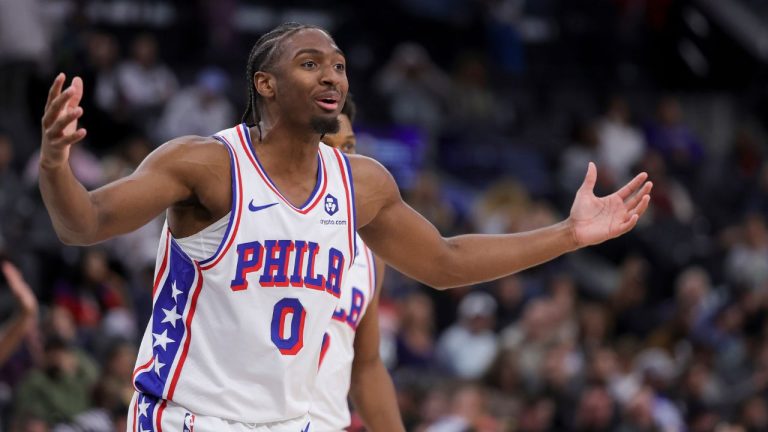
{"type": "Point", "coordinates": [59, 122]}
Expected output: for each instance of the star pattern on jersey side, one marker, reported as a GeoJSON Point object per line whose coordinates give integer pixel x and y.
{"type": "Point", "coordinates": [171, 316]}
{"type": "Point", "coordinates": [162, 339]}
{"type": "Point", "coordinates": [175, 291]}
{"type": "Point", "coordinates": [141, 428]}
{"type": "Point", "coordinates": [158, 365]}
{"type": "Point", "coordinates": [143, 405]}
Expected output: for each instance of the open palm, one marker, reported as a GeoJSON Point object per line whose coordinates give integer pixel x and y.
{"type": "Point", "coordinates": [596, 219]}
{"type": "Point", "coordinates": [59, 123]}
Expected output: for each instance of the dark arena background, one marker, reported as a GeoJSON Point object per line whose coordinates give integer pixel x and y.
{"type": "Point", "coordinates": [486, 112]}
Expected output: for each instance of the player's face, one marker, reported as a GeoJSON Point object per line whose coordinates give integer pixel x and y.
{"type": "Point", "coordinates": [312, 83]}
{"type": "Point", "coordinates": [344, 139]}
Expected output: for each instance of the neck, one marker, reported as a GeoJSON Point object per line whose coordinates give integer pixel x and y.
{"type": "Point", "coordinates": [285, 147]}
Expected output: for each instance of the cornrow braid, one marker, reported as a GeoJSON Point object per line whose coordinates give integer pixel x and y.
{"type": "Point", "coordinates": [262, 58]}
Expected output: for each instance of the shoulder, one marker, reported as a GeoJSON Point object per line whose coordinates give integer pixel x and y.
{"type": "Point", "coordinates": [190, 151]}
{"type": "Point", "coordinates": [375, 188]}
{"type": "Point", "coordinates": [366, 169]}
{"type": "Point", "coordinates": [195, 145]}
{"type": "Point", "coordinates": [193, 162]}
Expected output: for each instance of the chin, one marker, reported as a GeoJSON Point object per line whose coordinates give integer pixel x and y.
{"type": "Point", "coordinates": [327, 124]}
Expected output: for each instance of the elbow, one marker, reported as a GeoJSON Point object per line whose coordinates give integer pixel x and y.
{"type": "Point", "coordinates": [438, 284]}
{"type": "Point", "coordinates": [448, 269]}
{"type": "Point", "coordinates": [446, 275]}
{"type": "Point", "coordinates": [72, 239]}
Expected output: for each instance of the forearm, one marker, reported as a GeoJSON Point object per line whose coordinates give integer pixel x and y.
{"type": "Point", "coordinates": [69, 204]}
{"type": "Point", "coordinates": [477, 258]}
{"type": "Point", "coordinates": [373, 396]}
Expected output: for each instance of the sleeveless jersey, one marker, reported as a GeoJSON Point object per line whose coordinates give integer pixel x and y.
{"type": "Point", "coordinates": [330, 411]}
{"type": "Point", "coordinates": [237, 335]}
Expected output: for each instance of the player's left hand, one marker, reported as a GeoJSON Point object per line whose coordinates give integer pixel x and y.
{"type": "Point", "coordinates": [595, 219]}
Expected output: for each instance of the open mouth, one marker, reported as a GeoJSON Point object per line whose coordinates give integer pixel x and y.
{"type": "Point", "coordinates": [328, 101]}
{"type": "Point", "coordinates": [327, 104]}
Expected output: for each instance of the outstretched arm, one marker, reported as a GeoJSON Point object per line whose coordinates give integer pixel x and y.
{"type": "Point", "coordinates": [24, 319]}
{"type": "Point", "coordinates": [83, 217]}
{"type": "Point", "coordinates": [371, 390]}
{"type": "Point", "coordinates": [408, 242]}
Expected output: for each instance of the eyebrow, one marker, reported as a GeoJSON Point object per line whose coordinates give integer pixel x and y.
{"type": "Point", "coordinates": [317, 52]}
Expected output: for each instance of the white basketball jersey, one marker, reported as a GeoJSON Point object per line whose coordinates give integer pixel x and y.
{"type": "Point", "coordinates": [237, 335]}
{"type": "Point", "coordinates": [330, 411]}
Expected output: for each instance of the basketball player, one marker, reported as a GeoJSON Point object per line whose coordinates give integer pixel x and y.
{"type": "Point", "coordinates": [260, 232]}
{"type": "Point", "coordinates": [351, 343]}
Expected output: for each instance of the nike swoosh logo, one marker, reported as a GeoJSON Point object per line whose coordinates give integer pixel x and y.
{"type": "Point", "coordinates": [254, 208]}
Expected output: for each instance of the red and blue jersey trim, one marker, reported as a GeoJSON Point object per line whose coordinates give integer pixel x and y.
{"type": "Point", "coordinates": [349, 192]}
{"type": "Point", "coordinates": [176, 300]}
{"type": "Point", "coordinates": [371, 269]}
{"type": "Point", "coordinates": [320, 185]}
{"type": "Point", "coordinates": [147, 413]}
{"type": "Point", "coordinates": [234, 214]}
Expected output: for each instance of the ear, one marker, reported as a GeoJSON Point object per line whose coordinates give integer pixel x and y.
{"type": "Point", "coordinates": [264, 83]}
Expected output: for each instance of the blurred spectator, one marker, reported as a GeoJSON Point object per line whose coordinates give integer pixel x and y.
{"type": "Point", "coordinates": [596, 411]}
{"type": "Point", "coordinates": [126, 157]}
{"type": "Point", "coordinates": [675, 140]}
{"type": "Point", "coordinates": [532, 337]}
{"type": "Point", "coordinates": [594, 326]}
{"type": "Point", "coordinates": [747, 261]}
{"type": "Point", "coordinates": [694, 302]}
{"type": "Point", "coordinates": [111, 395]}
{"type": "Point", "coordinates": [468, 347]}
{"type": "Point", "coordinates": [95, 292]}
{"type": "Point", "coordinates": [574, 159]}
{"type": "Point", "coordinates": [25, 316]}
{"type": "Point", "coordinates": [501, 208]}
{"type": "Point", "coordinates": [671, 199]}
{"type": "Point", "coordinates": [743, 166]}
{"type": "Point", "coordinates": [61, 389]}
{"type": "Point", "coordinates": [511, 297]}
{"type": "Point", "coordinates": [754, 414]}
{"type": "Point", "coordinates": [108, 114]}
{"type": "Point", "coordinates": [103, 54]}
{"type": "Point", "coordinates": [537, 415]}
{"type": "Point", "coordinates": [145, 82]}
{"type": "Point", "coordinates": [415, 338]}
{"type": "Point", "coordinates": [621, 144]}
{"type": "Point", "coordinates": [417, 90]}
{"type": "Point", "coordinates": [503, 374]}
{"type": "Point", "coordinates": [468, 412]}
{"type": "Point", "coordinates": [475, 106]}
{"type": "Point", "coordinates": [638, 415]}
{"type": "Point", "coordinates": [630, 303]}
{"type": "Point", "coordinates": [201, 109]}
{"type": "Point", "coordinates": [85, 166]}
{"type": "Point", "coordinates": [12, 197]}
{"type": "Point", "coordinates": [24, 54]}
{"type": "Point", "coordinates": [426, 197]}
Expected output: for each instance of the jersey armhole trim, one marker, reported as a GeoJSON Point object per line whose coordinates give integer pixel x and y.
{"type": "Point", "coordinates": [234, 214]}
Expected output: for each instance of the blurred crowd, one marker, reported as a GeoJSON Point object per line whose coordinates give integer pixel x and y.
{"type": "Point", "coordinates": [665, 329]}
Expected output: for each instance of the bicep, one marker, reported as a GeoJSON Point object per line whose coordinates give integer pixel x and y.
{"type": "Point", "coordinates": [406, 241]}
{"type": "Point", "coordinates": [128, 203]}
{"type": "Point", "coordinates": [395, 231]}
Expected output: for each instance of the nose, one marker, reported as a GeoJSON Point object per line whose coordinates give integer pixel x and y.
{"type": "Point", "coordinates": [330, 76]}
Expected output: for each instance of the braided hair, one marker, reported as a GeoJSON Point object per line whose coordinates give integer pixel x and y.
{"type": "Point", "coordinates": [262, 58]}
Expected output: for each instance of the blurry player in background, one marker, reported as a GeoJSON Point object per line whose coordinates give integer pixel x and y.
{"type": "Point", "coordinates": [351, 345]}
